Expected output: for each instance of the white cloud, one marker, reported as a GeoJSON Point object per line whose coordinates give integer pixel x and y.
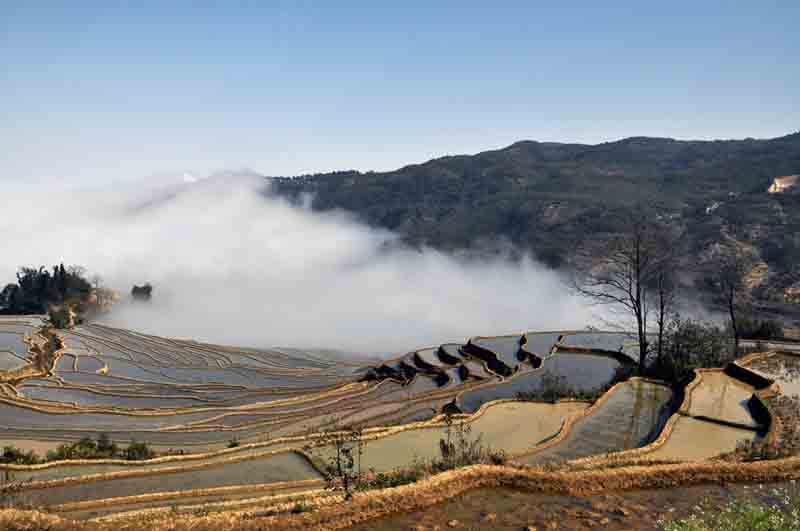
{"type": "Point", "coordinates": [232, 264]}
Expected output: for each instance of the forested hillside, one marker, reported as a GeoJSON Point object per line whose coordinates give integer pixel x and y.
{"type": "Point", "coordinates": [551, 198]}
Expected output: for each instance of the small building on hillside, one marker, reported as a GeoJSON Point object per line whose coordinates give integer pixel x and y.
{"type": "Point", "coordinates": [784, 184]}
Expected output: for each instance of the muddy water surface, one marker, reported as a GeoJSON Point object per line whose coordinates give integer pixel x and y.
{"type": "Point", "coordinates": [280, 467]}
{"type": "Point", "coordinates": [504, 347]}
{"type": "Point", "coordinates": [541, 344]}
{"type": "Point", "coordinates": [12, 342]}
{"type": "Point", "coordinates": [631, 417]}
{"type": "Point", "coordinates": [514, 427]}
{"type": "Point", "coordinates": [695, 439]}
{"type": "Point", "coordinates": [581, 372]}
{"type": "Point", "coordinates": [783, 368]}
{"type": "Point", "coordinates": [720, 397]}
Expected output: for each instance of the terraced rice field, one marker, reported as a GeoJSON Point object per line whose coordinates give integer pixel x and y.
{"type": "Point", "coordinates": [713, 419]}
{"type": "Point", "coordinates": [541, 343]}
{"type": "Point", "coordinates": [11, 360]}
{"type": "Point", "coordinates": [631, 417]}
{"type": "Point", "coordinates": [191, 400]}
{"type": "Point", "coordinates": [282, 467]}
{"type": "Point", "coordinates": [14, 351]}
{"type": "Point", "coordinates": [515, 427]}
{"type": "Point", "coordinates": [506, 348]}
{"type": "Point", "coordinates": [607, 341]}
{"type": "Point", "coordinates": [12, 342]}
{"type": "Point", "coordinates": [721, 397]}
{"type": "Point", "coordinates": [582, 372]}
{"type": "Point", "coordinates": [694, 439]}
{"type": "Point", "coordinates": [783, 368]}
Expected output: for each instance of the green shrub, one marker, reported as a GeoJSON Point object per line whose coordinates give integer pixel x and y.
{"type": "Point", "coordinates": [86, 448]}
{"type": "Point", "coordinates": [760, 329]}
{"type": "Point", "coordinates": [690, 345]}
{"type": "Point", "coordinates": [748, 450]}
{"type": "Point", "coordinates": [13, 455]}
{"type": "Point", "coordinates": [59, 316]}
{"type": "Point", "coordinates": [106, 447]}
{"type": "Point", "coordinates": [62, 452]}
{"type": "Point", "coordinates": [138, 451]}
{"type": "Point", "coordinates": [301, 508]}
{"type": "Point", "coordinates": [458, 448]}
{"type": "Point", "coordinates": [780, 515]}
{"type": "Point", "coordinates": [394, 478]}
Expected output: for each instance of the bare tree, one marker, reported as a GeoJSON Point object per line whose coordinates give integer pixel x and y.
{"type": "Point", "coordinates": [665, 284]}
{"type": "Point", "coordinates": [340, 453]}
{"type": "Point", "coordinates": [665, 298]}
{"type": "Point", "coordinates": [622, 271]}
{"type": "Point", "coordinates": [730, 272]}
{"type": "Point", "coordinates": [99, 291]}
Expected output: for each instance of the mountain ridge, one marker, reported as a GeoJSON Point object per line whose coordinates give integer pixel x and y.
{"type": "Point", "coordinates": [551, 198]}
{"type": "Point", "coordinates": [795, 136]}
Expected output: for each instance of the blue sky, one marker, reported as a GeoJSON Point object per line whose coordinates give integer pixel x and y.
{"type": "Point", "coordinates": [90, 92]}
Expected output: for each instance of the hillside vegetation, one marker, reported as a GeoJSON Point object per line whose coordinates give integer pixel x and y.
{"type": "Point", "coordinates": [552, 198]}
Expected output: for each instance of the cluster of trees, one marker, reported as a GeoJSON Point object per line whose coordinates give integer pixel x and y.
{"type": "Point", "coordinates": [142, 293]}
{"type": "Point", "coordinates": [63, 292]}
{"type": "Point", "coordinates": [636, 273]}
{"type": "Point", "coordinates": [759, 329]}
{"type": "Point", "coordinates": [36, 290]}
{"type": "Point", "coordinates": [86, 448]}
{"type": "Point", "coordinates": [689, 344]}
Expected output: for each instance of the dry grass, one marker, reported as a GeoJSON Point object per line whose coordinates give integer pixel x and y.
{"type": "Point", "coordinates": [326, 512]}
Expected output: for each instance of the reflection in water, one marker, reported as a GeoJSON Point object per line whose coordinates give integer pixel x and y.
{"type": "Point", "coordinates": [720, 397]}
{"type": "Point", "coordinates": [12, 342]}
{"type": "Point", "coordinates": [541, 344]}
{"type": "Point", "coordinates": [582, 372]}
{"type": "Point", "coordinates": [631, 417]}
{"type": "Point", "coordinates": [504, 347]}
{"type": "Point", "coordinates": [695, 439]}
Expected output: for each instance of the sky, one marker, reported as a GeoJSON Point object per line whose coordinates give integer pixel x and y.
{"type": "Point", "coordinates": [104, 92]}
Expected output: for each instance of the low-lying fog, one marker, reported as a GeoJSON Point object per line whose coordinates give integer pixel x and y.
{"type": "Point", "coordinates": [231, 264]}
